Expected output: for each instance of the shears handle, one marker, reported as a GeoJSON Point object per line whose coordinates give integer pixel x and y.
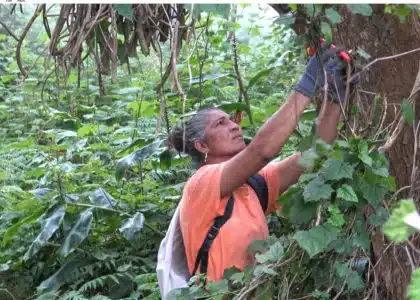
{"type": "Point", "coordinates": [342, 54]}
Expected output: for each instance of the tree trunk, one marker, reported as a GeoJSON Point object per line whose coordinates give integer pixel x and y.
{"type": "Point", "coordinates": [384, 35]}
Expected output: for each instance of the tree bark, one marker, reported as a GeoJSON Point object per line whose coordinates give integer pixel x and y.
{"type": "Point", "coordinates": [384, 35]}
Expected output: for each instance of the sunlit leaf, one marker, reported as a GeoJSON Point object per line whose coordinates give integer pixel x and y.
{"type": "Point", "coordinates": [396, 229]}
{"type": "Point", "coordinates": [131, 227]}
{"type": "Point", "coordinates": [316, 239]}
{"type": "Point", "coordinates": [333, 15]}
{"type": "Point", "coordinates": [347, 193]}
{"type": "Point", "coordinates": [78, 233]}
{"type": "Point", "coordinates": [413, 291]}
{"type": "Point", "coordinates": [362, 9]}
{"type": "Point", "coordinates": [316, 190]}
{"type": "Point", "coordinates": [101, 198]}
{"type": "Point", "coordinates": [136, 157]}
{"type": "Point", "coordinates": [50, 226]}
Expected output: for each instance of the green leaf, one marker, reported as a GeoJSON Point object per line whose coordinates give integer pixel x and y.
{"type": "Point", "coordinates": [264, 269]}
{"type": "Point", "coordinates": [51, 225]}
{"type": "Point", "coordinates": [317, 190]}
{"type": "Point", "coordinates": [274, 254]}
{"type": "Point", "coordinates": [326, 30]}
{"type": "Point", "coordinates": [362, 9]}
{"type": "Point", "coordinates": [336, 169]}
{"type": "Point", "coordinates": [78, 233]}
{"type": "Point", "coordinates": [396, 228]}
{"type": "Point", "coordinates": [254, 80]}
{"type": "Point", "coordinates": [316, 239]}
{"type": "Point", "coordinates": [364, 153]}
{"type": "Point", "coordinates": [132, 226]}
{"type": "Point", "coordinates": [308, 158]}
{"type": "Point", "coordinates": [11, 231]}
{"type": "Point", "coordinates": [413, 290]}
{"type": "Point", "coordinates": [297, 210]}
{"type": "Point", "coordinates": [347, 193]}
{"type": "Point", "coordinates": [345, 273]}
{"type": "Point", "coordinates": [87, 130]}
{"type": "Point", "coordinates": [258, 246]}
{"type": "Point", "coordinates": [363, 53]}
{"type": "Point", "coordinates": [333, 15]}
{"type": "Point", "coordinates": [124, 10]}
{"type": "Point", "coordinates": [372, 192]}
{"type": "Point", "coordinates": [336, 218]}
{"type": "Point", "coordinates": [380, 217]}
{"type": "Point", "coordinates": [407, 112]}
{"type": "Point", "coordinates": [101, 198]}
{"type": "Point", "coordinates": [320, 295]}
{"type": "Point", "coordinates": [136, 157]}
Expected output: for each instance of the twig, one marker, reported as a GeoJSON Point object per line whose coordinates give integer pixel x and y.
{"type": "Point", "coordinates": [383, 58]}
{"type": "Point", "coordinates": [22, 37]}
{"type": "Point", "coordinates": [9, 31]}
{"type": "Point", "coordinates": [416, 145]}
{"type": "Point", "coordinates": [9, 293]}
{"type": "Point", "coordinates": [242, 90]}
{"type": "Point", "coordinates": [413, 267]}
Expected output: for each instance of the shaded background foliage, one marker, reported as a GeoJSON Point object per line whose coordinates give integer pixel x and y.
{"type": "Point", "coordinates": [88, 186]}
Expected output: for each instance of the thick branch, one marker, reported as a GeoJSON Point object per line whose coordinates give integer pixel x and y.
{"type": "Point", "coordinates": [22, 37]}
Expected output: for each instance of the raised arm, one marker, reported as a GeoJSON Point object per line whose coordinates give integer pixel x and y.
{"type": "Point", "coordinates": [269, 140]}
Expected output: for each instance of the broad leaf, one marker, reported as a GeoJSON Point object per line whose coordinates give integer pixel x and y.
{"type": "Point", "coordinates": [124, 10]}
{"type": "Point", "coordinates": [65, 274]}
{"type": "Point", "coordinates": [335, 218]}
{"type": "Point", "coordinates": [298, 211]}
{"type": "Point", "coordinates": [316, 190]}
{"type": "Point", "coordinates": [316, 239]}
{"type": "Point", "coordinates": [87, 130]}
{"type": "Point", "coordinates": [136, 157]}
{"type": "Point", "coordinates": [347, 193]}
{"type": "Point", "coordinates": [254, 80]}
{"type": "Point", "coordinates": [380, 217]}
{"type": "Point", "coordinates": [10, 233]}
{"type": "Point", "coordinates": [336, 169]}
{"type": "Point", "coordinates": [372, 192]}
{"type": "Point", "coordinates": [101, 198]}
{"type": "Point", "coordinates": [413, 291]}
{"type": "Point", "coordinates": [333, 15]}
{"type": "Point", "coordinates": [50, 227]}
{"type": "Point", "coordinates": [362, 9]}
{"type": "Point", "coordinates": [273, 255]}
{"type": "Point", "coordinates": [78, 233]}
{"type": "Point", "coordinates": [364, 153]}
{"type": "Point", "coordinates": [264, 269]}
{"type": "Point", "coordinates": [132, 226]}
{"type": "Point", "coordinates": [396, 229]}
{"type": "Point", "coordinates": [345, 273]}
{"type": "Point", "coordinates": [407, 112]}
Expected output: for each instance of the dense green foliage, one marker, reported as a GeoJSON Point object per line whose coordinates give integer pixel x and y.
{"type": "Point", "coordinates": [88, 186]}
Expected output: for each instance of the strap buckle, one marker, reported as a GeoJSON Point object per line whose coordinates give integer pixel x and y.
{"type": "Point", "coordinates": [213, 232]}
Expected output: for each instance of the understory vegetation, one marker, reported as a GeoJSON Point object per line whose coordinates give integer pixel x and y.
{"type": "Point", "coordinates": [88, 185]}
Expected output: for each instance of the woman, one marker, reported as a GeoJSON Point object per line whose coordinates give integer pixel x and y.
{"type": "Point", "coordinates": [215, 141]}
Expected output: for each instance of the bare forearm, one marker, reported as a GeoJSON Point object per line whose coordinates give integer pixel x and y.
{"type": "Point", "coordinates": [276, 130]}
{"type": "Point", "coordinates": [327, 125]}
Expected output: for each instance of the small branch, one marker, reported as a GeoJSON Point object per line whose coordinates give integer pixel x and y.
{"type": "Point", "coordinates": [382, 58]}
{"type": "Point", "coordinates": [22, 37]}
{"type": "Point", "coordinates": [242, 90]}
{"type": "Point", "coordinates": [9, 31]}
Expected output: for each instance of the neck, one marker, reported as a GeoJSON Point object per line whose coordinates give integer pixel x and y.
{"type": "Point", "coordinates": [218, 159]}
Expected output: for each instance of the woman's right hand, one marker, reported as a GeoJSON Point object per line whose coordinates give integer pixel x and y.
{"type": "Point", "coordinates": [313, 78]}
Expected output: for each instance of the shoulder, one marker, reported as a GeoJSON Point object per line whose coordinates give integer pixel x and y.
{"type": "Point", "coordinates": [205, 175]}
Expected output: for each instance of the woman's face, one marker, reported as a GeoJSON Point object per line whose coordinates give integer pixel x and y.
{"type": "Point", "coordinates": [223, 136]}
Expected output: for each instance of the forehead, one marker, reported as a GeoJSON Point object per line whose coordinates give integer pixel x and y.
{"type": "Point", "coordinates": [216, 114]}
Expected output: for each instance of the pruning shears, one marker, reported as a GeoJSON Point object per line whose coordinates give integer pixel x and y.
{"type": "Point", "coordinates": [310, 51]}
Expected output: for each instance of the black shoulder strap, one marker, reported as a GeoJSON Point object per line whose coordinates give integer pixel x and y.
{"type": "Point", "coordinates": [259, 185]}
{"type": "Point", "coordinates": [203, 254]}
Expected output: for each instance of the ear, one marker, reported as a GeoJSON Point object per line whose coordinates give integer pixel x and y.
{"type": "Point", "coordinates": [201, 147]}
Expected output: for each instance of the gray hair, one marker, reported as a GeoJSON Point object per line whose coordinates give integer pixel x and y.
{"type": "Point", "coordinates": [194, 131]}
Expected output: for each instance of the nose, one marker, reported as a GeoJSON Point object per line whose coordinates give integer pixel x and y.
{"type": "Point", "coordinates": [234, 126]}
